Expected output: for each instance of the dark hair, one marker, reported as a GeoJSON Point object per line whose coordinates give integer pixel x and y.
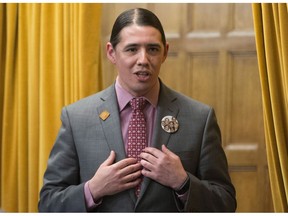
{"type": "Point", "coordinates": [139, 16]}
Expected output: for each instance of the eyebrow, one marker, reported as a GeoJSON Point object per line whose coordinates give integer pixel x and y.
{"type": "Point", "coordinates": [148, 44]}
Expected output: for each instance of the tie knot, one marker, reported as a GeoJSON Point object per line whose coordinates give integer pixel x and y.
{"type": "Point", "coordinates": [138, 103]}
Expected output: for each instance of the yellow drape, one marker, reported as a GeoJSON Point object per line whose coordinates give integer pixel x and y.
{"type": "Point", "coordinates": [271, 28]}
{"type": "Point", "coordinates": [49, 57]}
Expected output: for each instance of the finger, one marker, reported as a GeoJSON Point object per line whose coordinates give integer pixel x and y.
{"type": "Point", "coordinates": [110, 159]}
{"type": "Point", "coordinates": [131, 169]}
{"type": "Point", "coordinates": [166, 151]}
{"type": "Point", "coordinates": [132, 177]}
{"type": "Point", "coordinates": [147, 165]}
{"type": "Point", "coordinates": [153, 151]}
{"type": "Point", "coordinates": [125, 162]}
{"type": "Point", "coordinates": [148, 157]}
{"type": "Point", "coordinates": [132, 184]}
{"type": "Point", "coordinates": [147, 173]}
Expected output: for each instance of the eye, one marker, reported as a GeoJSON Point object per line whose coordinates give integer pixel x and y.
{"type": "Point", "coordinates": [154, 50]}
{"type": "Point", "coordinates": [131, 50]}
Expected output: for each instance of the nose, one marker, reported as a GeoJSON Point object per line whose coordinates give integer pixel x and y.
{"type": "Point", "coordinates": [143, 58]}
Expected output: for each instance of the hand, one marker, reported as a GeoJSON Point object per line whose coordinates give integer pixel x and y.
{"type": "Point", "coordinates": [163, 166]}
{"type": "Point", "coordinates": [112, 178]}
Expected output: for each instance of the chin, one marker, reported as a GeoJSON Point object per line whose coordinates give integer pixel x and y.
{"type": "Point", "coordinates": [140, 91]}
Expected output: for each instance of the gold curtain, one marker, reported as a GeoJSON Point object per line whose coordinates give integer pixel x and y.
{"type": "Point", "coordinates": [49, 57]}
{"type": "Point", "coordinates": [271, 28]}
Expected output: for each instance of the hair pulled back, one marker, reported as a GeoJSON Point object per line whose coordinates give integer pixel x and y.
{"type": "Point", "coordinates": [138, 16]}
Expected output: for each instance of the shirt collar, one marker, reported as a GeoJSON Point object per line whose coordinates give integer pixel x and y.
{"type": "Point", "coordinates": [124, 96]}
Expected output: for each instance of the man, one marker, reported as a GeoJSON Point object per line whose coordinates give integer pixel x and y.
{"type": "Point", "coordinates": [183, 166]}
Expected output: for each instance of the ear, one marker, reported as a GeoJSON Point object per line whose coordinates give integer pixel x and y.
{"type": "Point", "coordinates": [110, 52]}
{"type": "Point", "coordinates": [166, 48]}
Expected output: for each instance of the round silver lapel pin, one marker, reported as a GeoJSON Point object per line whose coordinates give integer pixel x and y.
{"type": "Point", "coordinates": [169, 124]}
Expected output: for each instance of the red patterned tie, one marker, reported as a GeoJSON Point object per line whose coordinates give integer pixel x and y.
{"type": "Point", "coordinates": [137, 135]}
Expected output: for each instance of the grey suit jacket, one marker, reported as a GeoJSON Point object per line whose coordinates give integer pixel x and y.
{"type": "Point", "coordinates": [85, 141]}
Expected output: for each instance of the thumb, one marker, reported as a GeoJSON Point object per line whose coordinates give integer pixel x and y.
{"type": "Point", "coordinates": [111, 158]}
{"type": "Point", "coordinates": [166, 150]}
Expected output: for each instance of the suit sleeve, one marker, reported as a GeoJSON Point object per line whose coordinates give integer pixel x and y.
{"type": "Point", "coordinates": [211, 189]}
{"type": "Point", "coordinates": [62, 191]}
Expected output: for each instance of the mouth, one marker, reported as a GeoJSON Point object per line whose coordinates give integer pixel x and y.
{"type": "Point", "coordinates": [142, 75]}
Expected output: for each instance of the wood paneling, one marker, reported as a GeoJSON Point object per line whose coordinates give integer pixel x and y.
{"type": "Point", "coordinates": [246, 184]}
{"type": "Point", "coordinates": [175, 78]}
{"type": "Point", "coordinates": [204, 69]}
{"type": "Point", "coordinates": [245, 100]}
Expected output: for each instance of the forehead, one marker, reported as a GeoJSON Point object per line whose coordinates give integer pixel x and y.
{"type": "Point", "coordinates": [140, 34]}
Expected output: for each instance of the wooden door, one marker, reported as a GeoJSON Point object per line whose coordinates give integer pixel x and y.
{"type": "Point", "coordinates": [213, 59]}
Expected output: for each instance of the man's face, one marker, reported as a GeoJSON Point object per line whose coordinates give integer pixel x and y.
{"type": "Point", "coordinates": [138, 58]}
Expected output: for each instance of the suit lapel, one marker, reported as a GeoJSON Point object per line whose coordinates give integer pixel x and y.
{"type": "Point", "coordinates": [111, 125]}
{"type": "Point", "coordinates": [167, 106]}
